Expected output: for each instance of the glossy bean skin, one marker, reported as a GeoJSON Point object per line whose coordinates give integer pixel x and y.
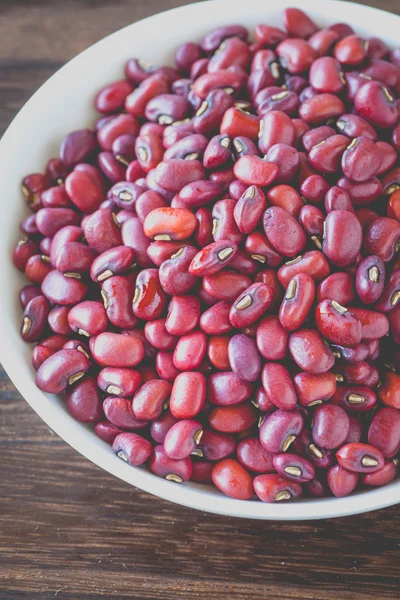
{"type": "Point", "coordinates": [83, 401]}
{"type": "Point", "coordinates": [261, 250]}
{"type": "Point", "coordinates": [389, 392]}
{"type": "Point", "coordinates": [293, 467]}
{"type": "Point", "coordinates": [249, 209]}
{"type": "Point", "coordinates": [183, 316]}
{"type": "Point", "coordinates": [275, 488]}
{"type": "Point", "coordinates": [226, 388]}
{"type": "Point", "coordinates": [384, 432]}
{"type": "Point", "coordinates": [250, 305]}
{"type": "Point", "coordinates": [132, 448]}
{"type": "Point", "coordinates": [148, 401]}
{"type": "Point", "coordinates": [209, 114]}
{"type": "Point", "coordinates": [88, 318]}
{"type": "Point", "coordinates": [233, 479]}
{"type": "Point", "coordinates": [305, 446]}
{"type": "Point", "coordinates": [313, 263]}
{"type": "Point", "coordinates": [225, 285]}
{"type": "Point", "coordinates": [341, 481]}
{"type": "Point", "coordinates": [232, 419]}
{"type": "Point", "coordinates": [173, 470]}
{"type": "Point", "coordinates": [34, 319]}
{"type": "Point", "coordinates": [116, 350]}
{"type": "Point", "coordinates": [374, 324]}
{"type": "Point", "coordinates": [280, 429]}
{"type": "Point", "coordinates": [355, 398]}
{"type": "Point", "coordinates": [190, 351]}
{"type": "Point", "coordinates": [374, 102]}
{"type": "Point", "coordinates": [60, 289]}
{"type": "Point", "coordinates": [253, 456]}
{"type": "Point", "coordinates": [338, 287]}
{"type": "Point", "coordinates": [314, 389]}
{"type": "Point", "coordinates": [217, 352]}
{"type": "Point", "coordinates": [321, 107]}
{"type": "Point", "coordinates": [182, 439]}
{"type": "Point", "coordinates": [60, 370]}
{"type": "Point", "coordinates": [27, 293]}
{"type": "Point", "coordinates": [360, 458]}
{"type": "Point", "coordinates": [215, 320]}
{"type": "Point", "coordinates": [188, 395]}
{"type": "Point", "coordinates": [297, 302]}
{"type": "Point", "coordinates": [309, 351]}
{"type": "Point", "coordinates": [213, 258]}
{"type": "Point", "coordinates": [149, 301]}
{"type": "Point", "coordinates": [117, 293]}
{"type": "Point", "coordinates": [382, 237]}
{"type": "Point", "coordinates": [286, 197]}
{"type": "Point", "coordinates": [173, 273]}
{"type": "Point", "coordinates": [278, 386]}
{"type": "Point", "coordinates": [115, 261]}
{"type": "Point", "coordinates": [118, 381]}
{"type": "Point", "coordinates": [361, 159]}
{"type": "Point", "coordinates": [338, 324]}
{"type": "Point", "coordinates": [342, 237]}
{"type": "Point", "coordinates": [370, 279]}
{"type": "Point", "coordinates": [331, 426]}
{"type": "Point", "coordinates": [272, 338]}
{"type": "Point", "coordinates": [283, 231]}
{"type": "Point", "coordinates": [276, 127]}
{"type": "Point", "coordinates": [253, 170]}
{"type": "Point", "coordinates": [244, 358]}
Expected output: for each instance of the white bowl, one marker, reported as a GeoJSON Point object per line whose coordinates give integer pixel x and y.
{"type": "Point", "coordinates": [64, 103]}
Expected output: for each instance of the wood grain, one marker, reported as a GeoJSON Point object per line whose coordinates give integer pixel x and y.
{"type": "Point", "coordinates": [70, 531]}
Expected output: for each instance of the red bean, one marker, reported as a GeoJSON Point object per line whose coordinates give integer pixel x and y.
{"type": "Point", "coordinates": [60, 370]}
{"type": "Point", "coordinates": [276, 127]}
{"type": "Point", "coordinates": [275, 488]}
{"type": "Point", "coordinates": [283, 231]}
{"type": "Point", "coordinates": [172, 470]}
{"type": "Point", "coordinates": [360, 458]}
{"type": "Point", "coordinates": [174, 275]}
{"type": "Point", "coordinates": [389, 392]}
{"type": "Point", "coordinates": [342, 237]}
{"type": "Point", "coordinates": [382, 238]}
{"type": "Point", "coordinates": [341, 481]}
{"type": "Point", "coordinates": [118, 381]}
{"type": "Point", "coordinates": [232, 419]}
{"type": "Point", "coordinates": [279, 430]}
{"type": "Point", "coordinates": [383, 476]}
{"type": "Point", "coordinates": [132, 448]}
{"type": "Point", "coordinates": [232, 479]}
{"type": "Point", "coordinates": [375, 103]}
{"type": "Point", "coordinates": [297, 302]}
{"type": "Point", "coordinates": [253, 170]}
{"type": "Point", "coordinates": [319, 457]}
{"type": "Point", "coordinates": [314, 389]}
{"type": "Point", "coordinates": [116, 350]}
{"type": "Point", "coordinates": [272, 338]}
{"type": "Point", "coordinates": [309, 351]}
{"type": "Point", "coordinates": [313, 263]}
{"type": "Point", "coordinates": [338, 324]}
{"type": "Point", "coordinates": [182, 439]}
{"type": "Point", "coordinates": [331, 426]}
{"type": "Point", "coordinates": [83, 401]}
{"type": "Point", "coordinates": [244, 358]}
{"type": "Point", "coordinates": [374, 324]}
{"type": "Point", "coordinates": [188, 395]}
{"type": "Point", "coordinates": [354, 398]}
{"type": "Point", "coordinates": [370, 279]}
{"type": "Point", "coordinates": [338, 287]}
{"type": "Point", "coordinates": [318, 109]}
{"type": "Point", "coordinates": [298, 24]}
{"type": "Point", "coordinates": [250, 305]}
{"type": "Point", "coordinates": [278, 386]}
{"type": "Point", "coordinates": [60, 289]}
{"type": "Point", "coordinates": [384, 432]}
{"type": "Point", "coordinates": [215, 320]}
{"type": "Point", "coordinates": [149, 300]}
{"type": "Point", "coordinates": [293, 467]}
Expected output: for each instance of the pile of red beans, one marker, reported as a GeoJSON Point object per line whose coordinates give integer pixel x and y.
{"type": "Point", "coordinates": [214, 269]}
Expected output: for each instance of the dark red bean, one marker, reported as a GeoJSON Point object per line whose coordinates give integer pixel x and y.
{"type": "Point", "coordinates": [370, 279]}
{"type": "Point", "coordinates": [107, 432]}
{"type": "Point", "coordinates": [296, 55]}
{"type": "Point", "coordinates": [249, 208]}
{"type": "Point", "coordinates": [278, 386]}
{"type": "Point", "coordinates": [168, 468]}
{"type": "Point", "coordinates": [34, 319]}
{"type": "Point", "coordinates": [188, 395]}
{"type": "Point", "coordinates": [183, 317]}
{"type": "Point", "coordinates": [250, 305]}
{"type": "Point", "coordinates": [280, 429]}
{"type": "Point", "coordinates": [132, 448]}
{"type": "Point", "coordinates": [60, 289]}
{"type": "Point", "coordinates": [276, 127]}
{"type": "Point", "coordinates": [117, 293]}
{"type": "Point", "coordinates": [374, 324]}
{"type": "Point", "coordinates": [22, 252]}
{"type": "Point", "coordinates": [375, 103]}
{"type": "Point", "coordinates": [293, 467]}
{"type": "Point", "coordinates": [342, 237]}
{"type": "Point", "coordinates": [150, 399]}
{"type": "Point", "coordinates": [384, 432]}
{"type": "Point", "coordinates": [360, 458]}
{"type": "Point", "coordinates": [225, 285]}
{"type": "Point", "coordinates": [314, 389]}
{"type": "Point", "coordinates": [118, 381]}
{"type": "Point", "coordinates": [320, 457]}
{"type": "Point", "coordinates": [232, 479]}
{"type": "Point", "coordinates": [173, 273]}
{"type": "Point", "coordinates": [355, 398]}
{"type": "Point", "coordinates": [341, 481]}
{"type": "Point", "coordinates": [210, 113]}
{"type": "Point", "coordinates": [326, 156]}
{"type": "Point", "coordinates": [382, 238]}
{"type": "Point", "coordinates": [283, 231]}
{"type": "Point", "coordinates": [27, 293]}
{"type": "Point", "coordinates": [331, 426]}
{"type": "Point", "coordinates": [338, 287]}
{"type": "Point", "coordinates": [226, 388]}
{"type": "Point", "coordinates": [232, 419]}
{"type": "Point", "coordinates": [309, 351]}
{"type": "Point", "coordinates": [244, 358]}
{"type": "Point", "coordinates": [319, 108]}
{"type": "Point", "coordinates": [383, 476]}
{"type": "Point", "coordinates": [261, 250]}
{"type": "Point", "coordinates": [83, 401]}
{"type": "Point", "coordinates": [272, 338]}
{"type": "Point", "coordinates": [88, 318]}
{"type": "Point", "coordinates": [297, 302]}
{"type": "Point", "coordinates": [338, 324]}
{"type": "Point", "coordinates": [182, 439]}
{"type": "Point", "coordinates": [313, 263]}
{"type": "Point", "coordinates": [60, 370]}
{"type": "Point", "coordinates": [285, 196]}
{"type": "Point", "coordinates": [275, 488]}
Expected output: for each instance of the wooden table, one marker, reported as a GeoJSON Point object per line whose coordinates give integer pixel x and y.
{"type": "Point", "coordinates": [70, 531]}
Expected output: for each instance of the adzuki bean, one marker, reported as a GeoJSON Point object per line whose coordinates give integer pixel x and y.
{"type": "Point", "coordinates": [217, 262]}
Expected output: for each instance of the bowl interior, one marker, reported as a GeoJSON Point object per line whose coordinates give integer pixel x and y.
{"type": "Point", "coordinates": [63, 104]}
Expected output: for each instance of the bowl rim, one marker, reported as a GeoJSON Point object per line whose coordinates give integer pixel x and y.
{"type": "Point", "coordinates": [195, 496]}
